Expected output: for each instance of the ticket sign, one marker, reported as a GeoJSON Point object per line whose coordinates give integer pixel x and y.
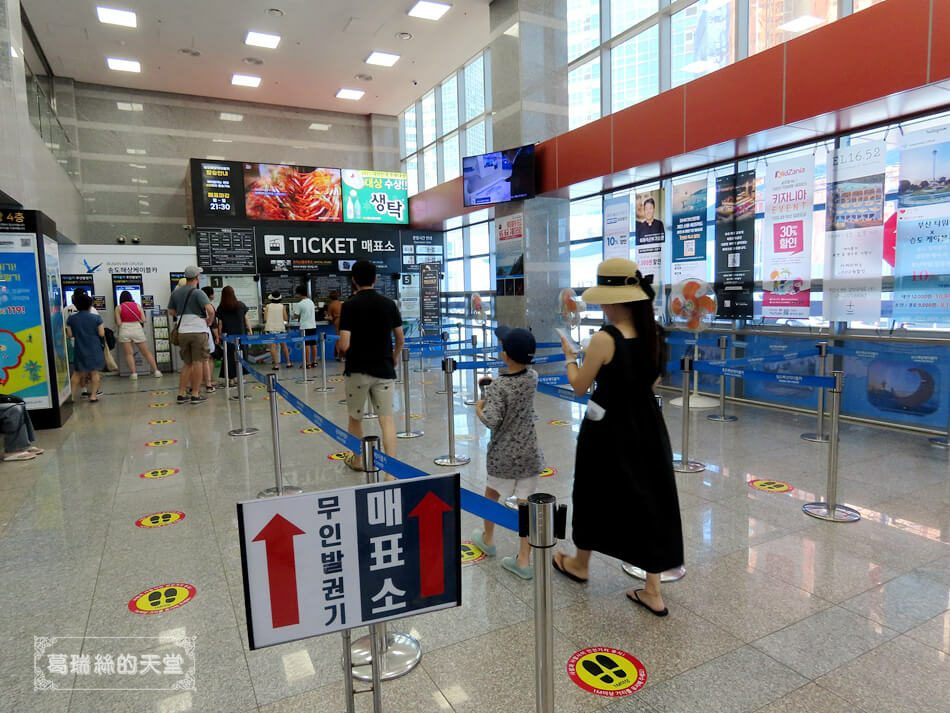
{"type": "Point", "coordinates": [322, 562]}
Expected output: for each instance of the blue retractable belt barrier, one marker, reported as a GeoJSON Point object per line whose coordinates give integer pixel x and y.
{"type": "Point", "coordinates": [556, 380]}
{"type": "Point", "coordinates": [821, 382]}
{"type": "Point", "coordinates": [268, 338]}
{"type": "Point", "coordinates": [857, 353]}
{"type": "Point", "coordinates": [562, 394]}
{"type": "Point", "coordinates": [785, 356]}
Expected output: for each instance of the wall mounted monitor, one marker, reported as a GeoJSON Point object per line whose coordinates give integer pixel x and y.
{"type": "Point", "coordinates": [498, 177]}
{"type": "Point", "coordinates": [375, 197]}
{"type": "Point", "coordinates": [292, 193]}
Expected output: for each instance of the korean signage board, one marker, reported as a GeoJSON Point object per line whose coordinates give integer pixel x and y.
{"type": "Point", "coordinates": [617, 227]}
{"type": "Point", "coordinates": [339, 559]}
{"type": "Point", "coordinates": [689, 231]}
{"type": "Point", "coordinates": [375, 197]}
{"type": "Point", "coordinates": [430, 308]}
{"type": "Point", "coordinates": [735, 241]}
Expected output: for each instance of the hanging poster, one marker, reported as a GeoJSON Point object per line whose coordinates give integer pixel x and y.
{"type": "Point", "coordinates": [786, 238]}
{"type": "Point", "coordinates": [689, 231]}
{"type": "Point", "coordinates": [22, 333]}
{"type": "Point", "coordinates": [430, 302]}
{"type": "Point", "coordinates": [617, 227]}
{"type": "Point", "coordinates": [509, 246]}
{"type": "Point", "coordinates": [57, 317]}
{"type": "Point", "coordinates": [854, 232]}
{"type": "Point", "coordinates": [651, 239]}
{"type": "Point", "coordinates": [735, 240]}
{"type": "Point", "coordinates": [375, 197]}
{"type": "Point", "coordinates": [922, 270]}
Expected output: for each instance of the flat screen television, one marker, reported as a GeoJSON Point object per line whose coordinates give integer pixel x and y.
{"type": "Point", "coordinates": [498, 177]}
{"type": "Point", "coordinates": [300, 193]}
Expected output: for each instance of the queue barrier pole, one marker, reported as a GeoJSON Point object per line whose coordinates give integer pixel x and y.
{"type": "Point", "coordinates": [473, 399]}
{"type": "Point", "coordinates": [379, 654]}
{"type": "Point", "coordinates": [942, 441]}
{"type": "Point", "coordinates": [224, 365]}
{"type": "Point", "coordinates": [830, 509]}
{"type": "Point", "coordinates": [422, 360]}
{"type": "Point", "coordinates": [543, 522]}
{"type": "Point", "coordinates": [820, 436]}
{"type": "Point", "coordinates": [721, 417]}
{"type": "Point", "coordinates": [244, 430]}
{"type": "Point", "coordinates": [449, 387]}
{"type": "Point", "coordinates": [280, 488]}
{"type": "Point", "coordinates": [323, 363]}
{"type": "Point", "coordinates": [303, 356]}
{"type": "Point", "coordinates": [683, 464]}
{"type": "Point", "coordinates": [408, 432]}
{"type": "Point", "coordinates": [448, 367]}
{"type": "Point", "coordinates": [349, 695]}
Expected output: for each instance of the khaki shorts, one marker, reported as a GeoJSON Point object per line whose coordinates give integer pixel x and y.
{"type": "Point", "coordinates": [360, 386]}
{"type": "Point", "coordinates": [193, 346]}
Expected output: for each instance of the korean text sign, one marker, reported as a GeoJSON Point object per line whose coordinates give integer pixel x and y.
{"type": "Point", "coordinates": [338, 559]}
{"type": "Point", "coordinates": [375, 197]}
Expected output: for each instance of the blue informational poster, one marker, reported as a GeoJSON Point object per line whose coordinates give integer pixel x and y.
{"type": "Point", "coordinates": [805, 396]}
{"type": "Point", "coordinates": [689, 231]}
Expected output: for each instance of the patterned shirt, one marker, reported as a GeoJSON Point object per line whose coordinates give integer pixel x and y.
{"type": "Point", "coordinates": [513, 451]}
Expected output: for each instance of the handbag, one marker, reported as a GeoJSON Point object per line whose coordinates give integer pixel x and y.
{"type": "Point", "coordinates": [110, 361]}
{"type": "Point", "coordinates": [173, 336]}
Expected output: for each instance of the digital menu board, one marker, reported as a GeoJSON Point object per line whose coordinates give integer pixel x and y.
{"type": "Point", "coordinates": [375, 197]}
{"type": "Point", "coordinates": [292, 193]}
{"type": "Point", "coordinates": [220, 188]}
{"type": "Point", "coordinates": [226, 250]}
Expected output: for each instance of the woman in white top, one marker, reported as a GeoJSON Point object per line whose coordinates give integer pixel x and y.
{"type": "Point", "coordinates": [275, 322]}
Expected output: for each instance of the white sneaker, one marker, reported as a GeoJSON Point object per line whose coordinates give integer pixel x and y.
{"type": "Point", "coordinates": [157, 374]}
{"type": "Point", "coordinates": [133, 375]}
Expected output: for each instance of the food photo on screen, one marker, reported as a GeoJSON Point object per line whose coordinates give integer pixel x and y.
{"type": "Point", "coordinates": [499, 176]}
{"type": "Point", "coordinates": [297, 193]}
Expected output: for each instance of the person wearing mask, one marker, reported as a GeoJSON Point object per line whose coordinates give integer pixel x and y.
{"type": "Point", "coordinates": [333, 316]}
{"type": "Point", "coordinates": [232, 321]}
{"type": "Point", "coordinates": [275, 322]}
{"type": "Point", "coordinates": [306, 312]}
{"type": "Point", "coordinates": [214, 337]}
{"type": "Point", "coordinates": [88, 331]}
{"type": "Point", "coordinates": [193, 312]}
{"type": "Point", "coordinates": [130, 318]}
{"type": "Point", "coordinates": [624, 427]}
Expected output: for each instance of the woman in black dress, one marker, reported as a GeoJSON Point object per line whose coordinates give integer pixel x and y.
{"type": "Point", "coordinates": [232, 316]}
{"type": "Point", "coordinates": [625, 502]}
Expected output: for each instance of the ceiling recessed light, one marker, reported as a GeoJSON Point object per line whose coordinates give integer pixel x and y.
{"type": "Point", "coordinates": [275, 12]}
{"type": "Point", "coordinates": [140, 180]}
{"type": "Point", "coordinates": [136, 152]}
{"type": "Point", "coordinates": [802, 24]}
{"type": "Point", "coordinates": [221, 141]}
{"type": "Point", "coordinates": [111, 16]}
{"type": "Point", "coordinates": [363, 77]}
{"type": "Point", "coordinates": [262, 39]}
{"type": "Point", "coordinates": [215, 158]}
{"type": "Point", "coordinates": [245, 80]}
{"type": "Point", "coordinates": [123, 65]}
{"type": "Point", "coordinates": [145, 212]}
{"type": "Point", "coordinates": [429, 10]}
{"type": "Point", "coordinates": [227, 116]}
{"type": "Point", "coordinates": [352, 94]}
{"type": "Point", "coordinates": [383, 59]}
{"type": "Point", "coordinates": [403, 36]}
{"type": "Point", "coordinates": [189, 51]}
{"type": "Point", "coordinates": [317, 126]}
{"type": "Point", "coordinates": [128, 106]}
{"type": "Point", "coordinates": [143, 202]}
{"type": "Point", "coordinates": [137, 165]}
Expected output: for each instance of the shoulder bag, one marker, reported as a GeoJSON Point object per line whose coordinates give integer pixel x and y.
{"type": "Point", "coordinates": [173, 336]}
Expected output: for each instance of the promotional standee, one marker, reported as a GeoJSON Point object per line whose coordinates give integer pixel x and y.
{"type": "Point", "coordinates": [33, 358]}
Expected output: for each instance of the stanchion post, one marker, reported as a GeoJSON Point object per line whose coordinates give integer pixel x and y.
{"type": "Point", "coordinates": [227, 378]}
{"type": "Point", "coordinates": [348, 692]}
{"type": "Point", "coordinates": [244, 430]}
{"type": "Point", "coordinates": [280, 488]}
{"type": "Point", "coordinates": [820, 436]}
{"type": "Point", "coordinates": [451, 459]}
{"type": "Point", "coordinates": [830, 509]}
{"type": "Point", "coordinates": [474, 398]}
{"type": "Point", "coordinates": [721, 417]}
{"type": "Point", "coordinates": [408, 432]}
{"type": "Point", "coordinates": [323, 363]}
{"type": "Point", "coordinates": [303, 353]}
{"type": "Point", "coordinates": [683, 464]}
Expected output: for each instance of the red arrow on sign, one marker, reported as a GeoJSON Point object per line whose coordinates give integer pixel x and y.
{"type": "Point", "coordinates": [431, 551]}
{"type": "Point", "coordinates": [278, 536]}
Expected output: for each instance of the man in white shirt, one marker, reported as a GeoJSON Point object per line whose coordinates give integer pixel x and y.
{"type": "Point", "coordinates": [197, 314]}
{"type": "Point", "coordinates": [306, 312]}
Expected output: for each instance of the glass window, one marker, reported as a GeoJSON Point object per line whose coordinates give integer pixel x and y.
{"type": "Point", "coordinates": [475, 89]}
{"type": "Point", "coordinates": [864, 4]}
{"type": "Point", "coordinates": [409, 127]}
{"type": "Point", "coordinates": [586, 218]}
{"type": "Point", "coordinates": [635, 69]}
{"type": "Point", "coordinates": [428, 118]}
{"type": "Point", "coordinates": [772, 22]}
{"type": "Point", "coordinates": [455, 276]}
{"type": "Point", "coordinates": [411, 168]}
{"type": "Point", "coordinates": [450, 104]}
{"type": "Point", "coordinates": [702, 39]}
{"type": "Point", "coordinates": [479, 239]}
{"type": "Point", "coordinates": [627, 13]}
{"type": "Point", "coordinates": [450, 158]}
{"type": "Point", "coordinates": [453, 244]}
{"type": "Point", "coordinates": [481, 274]}
{"type": "Point", "coordinates": [583, 89]}
{"type": "Point", "coordinates": [585, 257]}
{"type": "Point", "coordinates": [583, 27]}
{"type": "Point", "coordinates": [430, 163]}
{"type": "Point", "coordinates": [475, 139]}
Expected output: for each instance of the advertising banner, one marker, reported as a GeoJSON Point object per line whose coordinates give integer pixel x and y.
{"type": "Point", "coordinates": [735, 241]}
{"type": "Point", "coordinates": [509, 246]}
{"type": "Point", "coordinates": [786, 238]}
{"type": "Point", "coordinates": [689, 231]}
{"type": "Point", "coordinates": [375, 197]}
{"type": "Point", "coordinates": [57, 317]}
{"type": "Point", "coordinates": [292, 193]}
{"type": "Point", "coordinates": [617, 227]}
{"type": "Point", "coordinates": [430, 309]}
{"type": "Point", "coordinates": [922, 269]}
{"type": "Point", "coordinates": [854, 233]}
{"type": "Point", "coordinates": [651, 240]}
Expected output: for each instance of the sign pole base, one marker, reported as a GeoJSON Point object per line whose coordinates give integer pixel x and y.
{"type": "Point", "coordinates": [722, 419]}
{"type": "Point", "coordinates": [840, 513]}
{"type": "Point", "coordinates": [670, 575]}
{"type": "Point", "coordinates": [696, 402]}
{"type": "Point", "coordinates": [452, 460]}
{"type": "Point", "coordinates": [815, 438]}
{"type": "Point", "coordinates": [940, 442]}
{"type": "Point", "coordinates": [690, 466]}
{"type": "Point", "coordinates": [409, 434]}
{"type": "Point", "coordinates": [249, 431]}
{"type": "Point", "coordinates": [402, 654]}
{"type": "Point", "coordinates": [273, 492]}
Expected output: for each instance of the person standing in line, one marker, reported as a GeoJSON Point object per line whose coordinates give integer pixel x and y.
{"type": "Point", "coordinates": [214, 336]}
{"type": "Point", "coordinates": [369, 322]}
{"type": "Point", "coordinates": [71, 309]}
{"type": "Point", "coordinates": [275, 322]}
{"type": "Point", "coordinates": [623, 427]}
{"type": "Point", "coordinates": [130, 318]}
{"type": "Point", "coordinates": [88, 331]}
{"type": "Point", "coordinates": [193, 312]}
{"type": "Point", "coordinates": [333, 315]}
{"type": "Point", "coordinates": [233, 321]}
{"type": "Point", "coordinates": [306, 312]}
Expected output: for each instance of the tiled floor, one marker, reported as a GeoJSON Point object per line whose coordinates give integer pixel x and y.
{"type": "Point", "coordinates": [779, 613]}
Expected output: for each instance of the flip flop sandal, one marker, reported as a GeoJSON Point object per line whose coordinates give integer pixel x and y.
{"type": "Point", "coordinates": [35, 451]}
{"type": "Point", "coordinates": [636, 600]}
{"type": "Point", "coordinates": [22, 455]}
{"type": "Point", "coordinates": [567, 574]}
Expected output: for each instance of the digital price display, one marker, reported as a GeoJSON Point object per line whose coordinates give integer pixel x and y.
{"type": "Point", "coordinates": [220, 183]}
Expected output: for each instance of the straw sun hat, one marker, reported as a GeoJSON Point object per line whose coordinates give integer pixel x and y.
{"type": "Point", "coordinates": [618, 281]}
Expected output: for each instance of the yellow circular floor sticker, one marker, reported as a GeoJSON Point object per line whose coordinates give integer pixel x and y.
{"type": "Point", "coordinates": [267, 398]}
{"type": "Point", "coordinates": [771, 486]}
{"type": "Point", "coordinates": [606, 672]}
{"type": "Point", "coordinates": [162, 405]}
{"type": "Point", "coordinates": [312, 429]}
{"type": "Point", "coordinates": [259, 387]}
{"type": "Point", "coordinates": [427, 383]}
{"type": "Point", "coordinates": [163, 442]}
{"type": "Point", "coordinates": [416, 416]}
{"type": "Point", "coordinates": [162, 598]}
{"type": "Point", "coordinates": [559, 422]}
{"type": "Point", "coordinates": [160, 519]}
{"type": "Point", "coordinates": [292, 412]}
{"type": "Point", "coordinates": [339, 455]}
{"type": "Point", "coordinates": [466, 438]}
{"type": "Point", "coordinates": [548, 472]}
{"type": "Point", "coordinates": [161, 422]}
{"type": "Point", "coordinates": [158, 393]}
{"type": "Point", "coordinates": [471, 553]}
{"type": "Point", "coordinates": [158, 473]}
{"type": "Point", "coordinates": [335, 380]}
